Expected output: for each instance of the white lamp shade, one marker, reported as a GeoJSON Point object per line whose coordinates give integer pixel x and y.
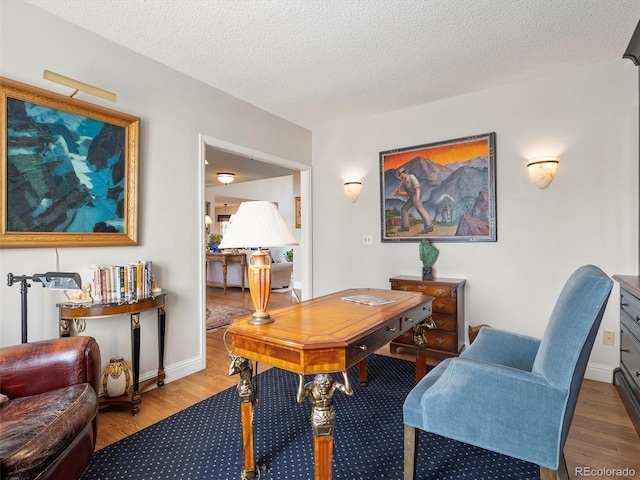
{"type": "Point", "coordinates": [208, 220]}
{"type": "Point", "coordinates": [256, 225]}
{"type": "Point", "coordinates": [542, 170]}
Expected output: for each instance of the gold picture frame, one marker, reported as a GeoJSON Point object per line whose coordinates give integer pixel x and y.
{"type": "Point", "coordinates": [298, 213]}
{"type": "Point", "coordinates": [68, 171]}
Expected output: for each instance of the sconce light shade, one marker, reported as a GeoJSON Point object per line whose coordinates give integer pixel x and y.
{"type": "Point", "coordinates": [207, 220]}
{"type": "Point", "coordinates": [226, 178]}
{"type": "Point", "coordinates": [542, 170]}
{"type": "Point", "coordinates": [352, 189]}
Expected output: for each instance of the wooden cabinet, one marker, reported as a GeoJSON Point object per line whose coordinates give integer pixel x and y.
{"type": "Point", "coordinates": [627, 377]}
{"type": "Point", "coordinates": [447, 338]}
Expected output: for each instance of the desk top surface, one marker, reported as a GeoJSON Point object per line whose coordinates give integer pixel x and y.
{"type": "Point", "coordinates": [324, 324]}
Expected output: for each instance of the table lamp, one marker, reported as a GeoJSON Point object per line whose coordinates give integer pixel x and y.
{"type": "Point", "coordinates": [256, 225]}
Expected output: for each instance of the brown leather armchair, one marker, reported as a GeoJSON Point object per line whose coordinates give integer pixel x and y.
{"type": "Point", "coordinates": [49, 425]}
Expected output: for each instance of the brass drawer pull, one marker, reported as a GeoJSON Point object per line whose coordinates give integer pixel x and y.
{"type": "Point", "coordinates": [440, 323]}
{"type": "Point", "coordinates": [409, 319]}
{"type": "Point", "coordinates": [440, 306]}
{"type": "Point", "coordinates": [391, 329]}
{"type": "Point", "coordinates": [440, 340]}
{"type": "Point", "coordinates": [440, 291]}
{"type": "Point", "coordinates": [361, 347]}
{"type": "Point", "coordinates": [405, 288]}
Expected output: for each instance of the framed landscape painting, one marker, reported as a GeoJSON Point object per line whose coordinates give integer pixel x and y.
{"type": "Point", "coordinates": [443, 192]}
{"type": "Point", "coordinates": [68, 171]}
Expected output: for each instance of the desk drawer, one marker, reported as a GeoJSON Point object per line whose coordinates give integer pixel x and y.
{"type": "Point", "coordinates": [442, 340]}
{"type": "Point", "coordinates": [364, 346]}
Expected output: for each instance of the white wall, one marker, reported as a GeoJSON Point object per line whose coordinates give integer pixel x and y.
{"type": "Point", "coordinates": [174, 111]}
{"type": "Point", "coordinates": [588, 117]}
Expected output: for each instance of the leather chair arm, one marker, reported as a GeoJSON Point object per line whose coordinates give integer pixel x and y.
{"type": "Point", "coordinates": [37, 367]}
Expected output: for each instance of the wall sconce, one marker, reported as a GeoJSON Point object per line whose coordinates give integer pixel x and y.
{"type": "Point", "coordinates": [352, 189]}
{"type": "Point", "coordinates": [226, 178]}
{"type": "Point", "coordinates": [542, 170]}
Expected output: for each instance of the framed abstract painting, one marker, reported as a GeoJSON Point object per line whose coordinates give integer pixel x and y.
{"type": "Point", "coordinates": [442, 192]}
{"type": "Point", "coordinates": [68, 171]}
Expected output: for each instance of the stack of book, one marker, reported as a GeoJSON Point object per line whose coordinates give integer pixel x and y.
{"type": "Point", "coordinates": [122, 283]}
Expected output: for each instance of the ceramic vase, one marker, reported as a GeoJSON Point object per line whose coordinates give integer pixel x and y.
{"type": "Point", "coordinates": [116, 379]}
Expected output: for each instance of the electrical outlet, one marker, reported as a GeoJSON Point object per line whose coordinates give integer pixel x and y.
{"type": "Point", "coordinates": [367, 239]}
{"type": "Point", "coordinates": [608, 337]}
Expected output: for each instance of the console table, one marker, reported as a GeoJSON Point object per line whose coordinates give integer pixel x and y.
{"type": "Point", "coordinates": [226, 258]}
{"type": "Point", "coordinates": [71, 313]}
{"type": "Point", "coordinates": [320, 336]}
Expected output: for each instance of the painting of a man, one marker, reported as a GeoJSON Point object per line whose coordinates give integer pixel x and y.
{"type": "Point", "coordinates": [410, 188]}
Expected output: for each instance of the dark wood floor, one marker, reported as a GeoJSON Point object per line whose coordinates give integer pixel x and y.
{"type": "Point", "coordinates": [601, 435]}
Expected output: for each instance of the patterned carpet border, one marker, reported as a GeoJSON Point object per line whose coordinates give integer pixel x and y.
{"type": "Point", "coordinates": [205, 440]}
{"type": "Point", "coordinates": [220, 315]}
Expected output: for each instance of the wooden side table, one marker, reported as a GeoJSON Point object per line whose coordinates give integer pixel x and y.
{"type": "Point", "coordinates": [447, 338]}
{"type": "Point", "coordinates": [70, 312]}
{"type": "Point", "coordinates": [225, 259]}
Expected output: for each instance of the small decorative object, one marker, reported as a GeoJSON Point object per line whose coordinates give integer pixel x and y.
{"type": "Point", "coordinates": [84, 295]}
{"type": "Point", "coordinates": [155, 289]}
{"type": "Point", "coordinates": [288, 255]}
{"type": "Point", "coordinates": [116, 379]}
{"type": "Point", "coordinates": [214, 241]}
{"type": "Point", "coordinates": [428, 255]}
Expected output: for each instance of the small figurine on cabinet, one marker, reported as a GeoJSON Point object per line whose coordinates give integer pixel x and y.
{"type": "Point", "coordinates": [428, 255]}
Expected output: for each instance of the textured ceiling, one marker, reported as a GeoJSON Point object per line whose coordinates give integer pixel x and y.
{"type": "Point", "coordinates": [321, 62]}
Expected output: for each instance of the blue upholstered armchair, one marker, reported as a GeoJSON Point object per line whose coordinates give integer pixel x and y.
{"type": "Point", "coordinates": [510, 393]}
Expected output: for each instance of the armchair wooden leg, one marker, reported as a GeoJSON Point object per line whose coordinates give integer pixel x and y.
{"type": "Point", "coordinates": [410, 451]}
{"type": "Point", "coordinates": [547, 473]}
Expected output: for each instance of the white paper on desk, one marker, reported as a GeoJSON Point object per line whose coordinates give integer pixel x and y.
{"type": "Point", "coordinates": [367, 300]}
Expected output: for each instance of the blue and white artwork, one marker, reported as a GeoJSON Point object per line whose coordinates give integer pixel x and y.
{"type": "Point", "coordinates": [65, 172]}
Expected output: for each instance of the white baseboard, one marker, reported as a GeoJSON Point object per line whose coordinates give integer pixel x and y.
{"type": "Point", "coordinates": [599, 372]}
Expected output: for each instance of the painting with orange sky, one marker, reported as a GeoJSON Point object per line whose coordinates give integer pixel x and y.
{"type": "Point", "coordinates": [443, 192]}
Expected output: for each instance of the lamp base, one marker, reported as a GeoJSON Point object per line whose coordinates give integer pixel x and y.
{"type": "Point", "coordinates": [257, 321]}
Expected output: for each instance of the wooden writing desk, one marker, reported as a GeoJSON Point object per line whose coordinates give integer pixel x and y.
{"type": "Point", "coordinates": [322, 336]}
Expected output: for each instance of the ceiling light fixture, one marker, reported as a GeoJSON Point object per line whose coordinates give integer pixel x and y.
{"type": "Point", "coordinates": [226, 178]}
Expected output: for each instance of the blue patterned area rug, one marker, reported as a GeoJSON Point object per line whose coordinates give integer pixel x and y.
{"type": "Point", "coordinates": [205, 440]}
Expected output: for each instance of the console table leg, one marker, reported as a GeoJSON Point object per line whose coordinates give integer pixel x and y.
{"type": "Point", "coordinates": [161, 333]}
{"type": "Point", "coordinates": [247, 394]}
{"type": "Point", "coordinates": [323, 417]}
{"type": "Point", "coordinates": [135, 362]}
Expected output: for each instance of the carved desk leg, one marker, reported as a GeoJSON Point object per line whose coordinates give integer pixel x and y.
{"type": "Point", "coordinates": [420, 342]}
{"type": "Point", "coordinates": [248, 393]}
{"type": "Point", "coordinates": [323, 417]}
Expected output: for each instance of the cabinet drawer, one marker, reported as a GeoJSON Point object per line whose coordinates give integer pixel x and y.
{"type": "Point", "coordinates": [442, 340]}
{"type": "Point", "coordinates": [432, 290]}
{"type": "Point", "coordinates": [444, 305]}
{"type": "Point", "coordinates": [630, 305]}
{"type": "Point", "coordinates": [447, 323]}
{"type": "Point", "coordinates": [630, 354]}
